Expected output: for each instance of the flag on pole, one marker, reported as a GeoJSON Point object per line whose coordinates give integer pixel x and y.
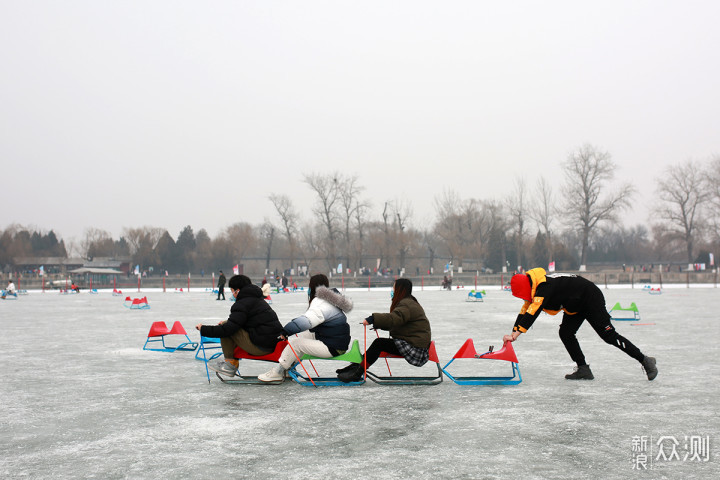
{"type": "Point", "coordinates": [42, 268]}
{"type": "Point", "coordinates": [137, 269]}
{"type": "Point", "coordinates": [236, 269]}
{"type": "Point", "coordinates": [551, 267]}
{"type": "Point", "coordinates": [712, 260]}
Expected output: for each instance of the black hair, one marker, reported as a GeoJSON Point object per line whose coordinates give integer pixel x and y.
{"type": "Point", "coordinates": [316, 281]}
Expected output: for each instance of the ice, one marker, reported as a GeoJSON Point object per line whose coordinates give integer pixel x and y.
{"type": "Point", "coordinates": [81, 399]}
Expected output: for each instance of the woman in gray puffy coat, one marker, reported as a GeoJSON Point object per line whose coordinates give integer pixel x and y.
{"type": "Point", "coordinates": [321, 331]}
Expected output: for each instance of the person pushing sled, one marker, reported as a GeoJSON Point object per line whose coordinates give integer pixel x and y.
{"type": "Point", "coordinates": [580, 300]}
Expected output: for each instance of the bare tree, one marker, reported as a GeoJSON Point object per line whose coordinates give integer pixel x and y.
{"type": "Point", "coordinates": [267, 232]}
{"type": "Point", "coordinates": [94, 238]}
{"type": "Point", "coordinates": [462, 225]}
{"type": "Point", "coordinates": [714, 191]}
{"type": "Point", "coordinates": [142, 242]}
{"type": "Point", "coordinates": [289, 219]}
{"type": "Point", "coordinates": [402, 212]}
{"type": "Point", "coordinates": [497, 225]}
{"type": "Point", "coordinates": [327, 188]}
{"type": "Point", "coordinates": [682, 191]}
{"type": "Point", "coordinates": [587, 171]}
{"type": "Point", "coordinates": [309, 245]}
{"type": "Point", "coordinates": [352, 208]}
{"type": "Point", "coordinates": [518, 209]}
{"type": "Point", "coordinates": [542, 211]}
{"type": "Point", "coordinates": [387, 234]}
{"type": "Point", "coordinates": [360, 212]}
{"type": "Point", "coordinates": [448, 225]}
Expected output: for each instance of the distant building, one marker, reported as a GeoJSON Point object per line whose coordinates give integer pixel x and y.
{"type": "Point", "coordinates": [61, 265]}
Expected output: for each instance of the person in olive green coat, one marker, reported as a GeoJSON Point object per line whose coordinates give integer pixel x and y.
{"type": "Point", "coordinates": [409, 329]}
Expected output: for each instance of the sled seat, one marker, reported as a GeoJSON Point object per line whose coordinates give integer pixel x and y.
{"type": "Point", "coordinates": [467, 351]}
{"type": "Point", "coordinates": [158, 332]}
{"type": "Point", "coordinates": [137, 303]}
{"type": "Point", "coordinates": [241, 355]}
{"type": "Point", "coordinates": [475, 296]}
{"type": "Point", "coordinates": [621, 314]}
{"type": "Point", "coordinates": [208, 343]}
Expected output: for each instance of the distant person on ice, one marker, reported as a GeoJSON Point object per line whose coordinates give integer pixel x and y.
{"type": "Point", "coordinates": [580, 300]}
{"type": "Point", "coordinates": [221, 285]}
{"type": "Point", "coordinates": [252, 325]}
{"type": "Point", "coordinates": [10, 290]}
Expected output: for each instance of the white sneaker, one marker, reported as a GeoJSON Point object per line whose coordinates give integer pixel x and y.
{"type": "Point", "coordinates": [272, 375]}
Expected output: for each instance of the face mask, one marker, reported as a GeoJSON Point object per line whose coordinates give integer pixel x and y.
{"type": "Point", "coordinates": [392, 294]}
{"type": "Point", "coordinates": [308, 293]}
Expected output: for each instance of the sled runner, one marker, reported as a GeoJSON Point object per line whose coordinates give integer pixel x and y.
{"type": "Point", "coordinates": [409, 380]}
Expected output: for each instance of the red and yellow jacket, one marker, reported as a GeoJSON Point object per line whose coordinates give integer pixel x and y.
{"type": "Point", "coordinates": [557, 292]}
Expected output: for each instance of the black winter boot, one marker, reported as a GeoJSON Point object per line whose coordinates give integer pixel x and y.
{"type": "Point", "coordinates": [582, 372]}
{"type": "Point", "coordinates": [648, 364]}
{"type": "Point", "coordinates": [346, 369]}
{"type": "Point", "coordinates": [355, 374]}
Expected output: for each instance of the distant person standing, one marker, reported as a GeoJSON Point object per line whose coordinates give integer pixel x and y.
{"type": "Point", "coordinates": [221, 285]}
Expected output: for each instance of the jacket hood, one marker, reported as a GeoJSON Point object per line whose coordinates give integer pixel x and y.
{"type": "Point", "coordinates": [334, 297]}
{"type": "Point", "coordinates": [250, 291]}
{"type": "Point", "coordinates": [537, 276]}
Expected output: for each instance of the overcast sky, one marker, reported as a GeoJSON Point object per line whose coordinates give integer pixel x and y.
{"type": "Point", "coordinates": [173, 113]}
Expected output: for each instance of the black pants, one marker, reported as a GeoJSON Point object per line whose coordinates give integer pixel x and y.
{"type": "Point", "coordinates": [599, 320]}
{"type": "Point", "coordinates": [378, 346]}
{"type": "Point", "coordinates": [221, 291]}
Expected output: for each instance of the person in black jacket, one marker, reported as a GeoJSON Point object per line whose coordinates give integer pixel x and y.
{"type": "Point", "coordinates": [252, 325]}
{"type": "Point", "coordinates": [580, 300]}
{"type": "Point", "coordinates": [221, 285]}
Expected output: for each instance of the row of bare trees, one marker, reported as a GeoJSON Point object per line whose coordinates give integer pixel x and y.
{"type": "Point", "coordinates": [532, 225]}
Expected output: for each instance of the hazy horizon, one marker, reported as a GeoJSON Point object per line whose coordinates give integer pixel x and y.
{"type": "Point", "coordinates": [169, 114]}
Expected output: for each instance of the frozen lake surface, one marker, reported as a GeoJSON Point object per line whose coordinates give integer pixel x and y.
{"type": "Point", "coordinates": [81, 399]}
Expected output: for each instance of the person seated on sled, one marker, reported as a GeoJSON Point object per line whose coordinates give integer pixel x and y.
{"type": "Point", "coordinates": [266, 289]}
{"type": "Point", "coordinates": [10, 290]}
{"type": "Point", "coordinates": [409, 332]}
{"type": "Point", "coordinates": [447, 283]}
{"type": "Point", "coordinates": [580, 300]}
{"type": "Point", "coordinates": [252, 325]}
{"type": "Point", "coordinates": [74, 287]}
{"type": "Point", "coordinates": [321, 331]}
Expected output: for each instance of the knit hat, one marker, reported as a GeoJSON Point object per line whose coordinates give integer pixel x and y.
{"type": "Point", "coordinates": [520, 286]}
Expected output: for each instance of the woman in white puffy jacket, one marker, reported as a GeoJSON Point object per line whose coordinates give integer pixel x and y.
{"type": "Point", "coordinates": [321, 331]}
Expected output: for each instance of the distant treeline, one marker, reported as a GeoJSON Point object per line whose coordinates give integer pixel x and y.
{"type": "Point", "coordinates": [532, 226]}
